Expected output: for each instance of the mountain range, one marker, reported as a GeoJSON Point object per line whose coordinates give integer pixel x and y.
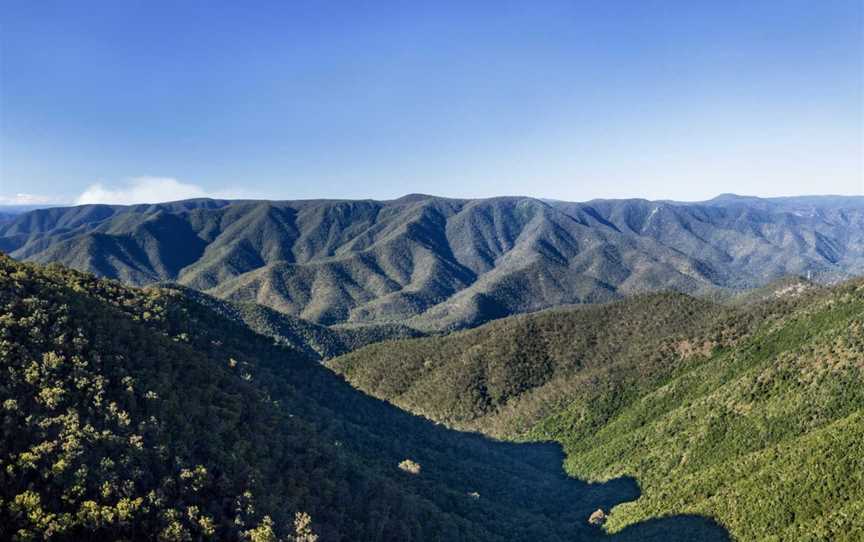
{"type": "Point", "coordinates": [420, 369]}
{"type": "Point", "coordinates": [435, 264]}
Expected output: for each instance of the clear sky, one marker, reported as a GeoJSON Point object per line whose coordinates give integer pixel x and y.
{"type": "Point", "coordinates": [129, 101]}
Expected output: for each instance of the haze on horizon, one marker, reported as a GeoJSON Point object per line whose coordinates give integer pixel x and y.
{"type": "Point", "coordinates": [132, 102]}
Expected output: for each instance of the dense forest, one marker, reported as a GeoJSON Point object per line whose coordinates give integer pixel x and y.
{"type": "Point", "coordinates": [144, 413]}
{"type": "Point", "coordinates": [506, 376]}
{"type": "Point", "coordinates": [748, 412]}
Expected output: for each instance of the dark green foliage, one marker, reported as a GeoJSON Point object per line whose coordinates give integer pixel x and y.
{"type": "Point", "coordinates": [504, 377]}
{"type": "Point", "coordinates": [751, 413]}
{"type": "Point", "coordinates": [137, 414]}
{"type": "Point", "coordinates": [312, 339]}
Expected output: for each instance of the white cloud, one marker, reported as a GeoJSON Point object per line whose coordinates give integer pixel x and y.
{"type": "Point", "coordinates": [29, 199]}
{"type": "Point", "coordinates": [141, 190]}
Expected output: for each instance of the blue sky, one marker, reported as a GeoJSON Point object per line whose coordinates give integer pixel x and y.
{"type": "Point", "coordinates": [142, 101]}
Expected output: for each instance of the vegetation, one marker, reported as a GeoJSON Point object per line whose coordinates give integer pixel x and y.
{"type": "Point", "coordinates": [317, 341]}
{"type": "Point", "coordinates": [139, 414]}
{"type": "Point", "coordinates": [749, 413]}
{"type": "Point", "coordinates": [113, 429]}
{"type": "Point", "coordinates": [505, 377]}
{"type": "Point", "coordinates": [131, 413]}
{"type": "Point", "coordinates": [439, 264]}
{"type": "Point", "coordinates": [766, 437]}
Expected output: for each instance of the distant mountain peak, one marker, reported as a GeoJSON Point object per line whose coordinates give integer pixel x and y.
{"type": "Point", "coordinates": [408, 198]}
{"type": "Point", "coordinates": [731, 197]}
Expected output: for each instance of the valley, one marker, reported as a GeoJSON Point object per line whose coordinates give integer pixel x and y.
{"type": "Point", "coordinates": [130, 412]}
{"type": "Point", "coordinates": [434, 369]}
{"type": "Point", "coordinates": [748, 413]}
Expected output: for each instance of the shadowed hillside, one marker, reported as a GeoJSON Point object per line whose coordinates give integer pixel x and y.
{"type": "Point", "coordinates": [504, 377]}
{"type": "Point", "coordinates": [749, 413]}
{"type": "Point", "coordinates": [131, 413]}
{"type": "Point", "coordinates": [437, 264]}
{"type": "Point", "coordinates": [314, 340]}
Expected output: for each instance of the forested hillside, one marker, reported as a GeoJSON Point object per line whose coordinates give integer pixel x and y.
{"type": "Point", "coordinates": [315, 340]}
{"type": "Point", "coordinates": [749, 413]}
{"type": "Point", "coordinates": [144, 413]}
{"type": "Point", "coordinates": [439, 264]}
{"type": "Point", "coordinates": [506, 376]}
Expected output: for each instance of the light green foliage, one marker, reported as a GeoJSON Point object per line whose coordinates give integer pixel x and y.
{"type": "Point", "coordinates": [767, 437]}
{"type": "Point", "coordinates": [505, 377]}
{"type": "Point", "coordinates": [85, 452]}
{"type": "Point", "coordinates": [751, 414]}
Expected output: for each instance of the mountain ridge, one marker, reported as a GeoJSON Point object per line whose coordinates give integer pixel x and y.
{"type": "Point", "coordinates": [447, 263]}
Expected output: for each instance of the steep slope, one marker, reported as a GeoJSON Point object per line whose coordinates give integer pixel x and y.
{"type": "Point", "coordinates": [8, 213]}
{"type": "Point", "coordinates": [128, 414]}
{"type": "Point", "coordinates": [765, 437]}
{"type": "Point", "coordinates": [314, 340]}
{"type": "Point", "coordinates": [754, 237]}
{"type": "Point", "coordinates": [749, 413]}
{"type": "Point", "coordinates": [440, 264]}
{"type": "Point", "coordinates": [506, 376]}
